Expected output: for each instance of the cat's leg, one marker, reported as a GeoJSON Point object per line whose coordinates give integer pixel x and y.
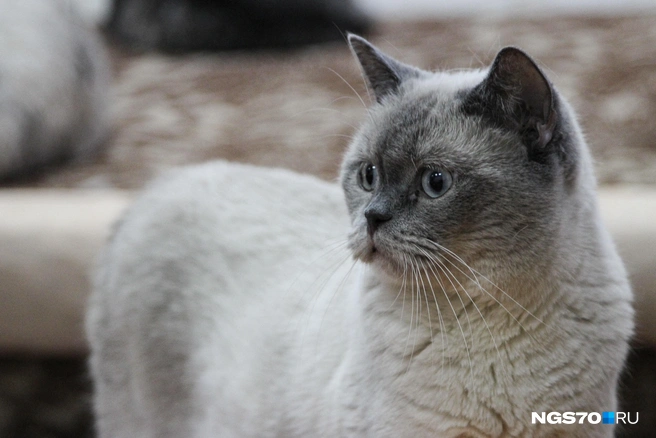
{"type": "Point", "coordinates": [142, 395]}
{"type": "Point", "coordinates": [117, 414]}
{"type": "Point", "coordinates": [171, 320]}
{"type": "Point", "coordinates": [161, 388]}
{"type": "Point", "coordinates": [137, 352]}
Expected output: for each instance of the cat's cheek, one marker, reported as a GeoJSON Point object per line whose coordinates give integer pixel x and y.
{"type": "Point", "coordinates": [360, 245]}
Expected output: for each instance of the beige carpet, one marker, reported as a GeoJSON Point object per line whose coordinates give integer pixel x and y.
{"type": "Point", "coordinates": [297, 109]}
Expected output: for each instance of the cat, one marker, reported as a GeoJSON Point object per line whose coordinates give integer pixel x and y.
{"type": "Point", "coordinates": [53, 87]}
{"type": "Point", "coordinates": [475, 285]}
{"type": "Point", "coordinates": [189, 25]}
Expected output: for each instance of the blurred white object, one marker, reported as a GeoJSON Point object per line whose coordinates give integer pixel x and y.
{"type": "Point", "coordinates": [53, 86]}
{"type": "Point", "coordinates": [94, 12]}
{"type": "Point", "coordinates": [630, 213]}
{"type": "Point", "coordinates": [48, 244]}
{"type": "Point", "coordinates": [49, 240]}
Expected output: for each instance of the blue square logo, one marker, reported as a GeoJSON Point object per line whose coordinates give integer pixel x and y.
{"type": "Point", "coordinates": [608, 417]}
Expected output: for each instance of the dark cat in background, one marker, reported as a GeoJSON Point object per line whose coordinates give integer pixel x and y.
{"type": "Point", "coordinates": [188, 25]}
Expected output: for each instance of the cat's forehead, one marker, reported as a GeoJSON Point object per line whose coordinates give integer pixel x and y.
{"type": "Point", "coordinates": [424, 121]}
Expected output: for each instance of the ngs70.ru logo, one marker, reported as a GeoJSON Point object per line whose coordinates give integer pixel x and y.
{"type": "Point", "coordinates": [584, 417]}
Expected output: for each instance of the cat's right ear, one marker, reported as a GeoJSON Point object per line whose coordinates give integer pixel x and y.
{"type": "Point", "coordinates": [517, 95]}
{"type": "Point", "coordinates": [384, 74]}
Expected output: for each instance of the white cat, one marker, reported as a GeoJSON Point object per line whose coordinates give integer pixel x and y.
{"type": "Point", "coordinates": [483, 286]}
{"type": "Point", "coordinates": [53, 86]}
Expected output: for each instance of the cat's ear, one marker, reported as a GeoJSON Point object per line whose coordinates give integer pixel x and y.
{"type": "Point", "coordinates": [517, 94]}
{"type": "Point", "coordinates": [383, 73]}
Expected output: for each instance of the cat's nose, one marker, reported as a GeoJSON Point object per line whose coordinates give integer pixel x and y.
{"type": "Point", "coordinates": [376, 216]}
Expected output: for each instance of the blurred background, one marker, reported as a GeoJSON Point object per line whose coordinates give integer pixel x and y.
{"type": "Point", "coordinates": [272, 83]}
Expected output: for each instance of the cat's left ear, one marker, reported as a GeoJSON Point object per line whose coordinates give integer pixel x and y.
{"type": "Point", "coordinates": [384, 74]}
{"type": "Point", "coordinates": [518, 95]}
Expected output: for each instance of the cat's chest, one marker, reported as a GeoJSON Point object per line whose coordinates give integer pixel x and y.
{"type": "Point", "coordinates": [431, 374]}
{"type": "Point", "coordinates": [430, 395]}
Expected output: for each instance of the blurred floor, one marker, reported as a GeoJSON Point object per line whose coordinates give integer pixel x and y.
{"type": "Point", "coordinates": [637, 393]}
{"type": "Point", "coordinates": [45, 398]}
{"type": "Point", "coordinates": [50, 398]}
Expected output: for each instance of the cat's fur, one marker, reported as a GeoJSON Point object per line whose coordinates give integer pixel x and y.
{"type": "Point", "coordinates": [183, 25]}
{"type": "Point", "coordinates": [221, 308]}
{"type": "Point", "coordinates": [53, 86]}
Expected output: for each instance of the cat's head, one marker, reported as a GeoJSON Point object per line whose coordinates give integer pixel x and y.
{"type": "Point", "coordinates": [480, 163]}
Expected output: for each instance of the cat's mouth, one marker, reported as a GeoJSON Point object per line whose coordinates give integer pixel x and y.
{"type": "Point", "coordinates": [376, 248]}
{"type": "Point", "coordinates": [378, 251]}
{"type": "Point", "coordinates": [380, 254]}
{"type": "Point", "coordinates": [364, 248]}
{"type": "Point", "coordinates": [368, 252]}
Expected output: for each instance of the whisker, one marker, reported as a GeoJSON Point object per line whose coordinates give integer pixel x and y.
{"type": "Point", "coordinates": [315, 298]}
{"type": "Point", "coordinates": [528, 332]}
{"type": "Point", "coordinates": [474, 272]}
{"type": "Point", "coordinates": [328, 249]}
{"type": "Point", "coordinates": [487, 326]}
{"type": "Point", "coordinates": [464, 338]}
{"type": "Point", "coordinates": [439, 316]}
{"type": "Point", "coordinates": [423, 286]}
{"type": "Point", "coordinates": [404, 287]}
{"type": "Point", "coordinates": [346, 136]}
{"type": "Point", "coordinates": [416, 276]}
{"type": "Point", "coordinates": [364, 105]}
{"type": "Point", "coordinates": [455, 289]}
{"type": "Point", "coordinates": [412, 309]}
{"type": "Point", "coordinates": [471, 367]}
{"type": "Point", "coordinates": [405, 266]}
{"type": "Point", "coordinates": [337, 99]}
{"type": "Point", "coordinates": [335, 292]}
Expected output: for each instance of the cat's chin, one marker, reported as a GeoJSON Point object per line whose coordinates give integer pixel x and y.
{"type": "Point", "coordinates": [379, 253]}
{"type": "Point", "coordinates": [380, 258]}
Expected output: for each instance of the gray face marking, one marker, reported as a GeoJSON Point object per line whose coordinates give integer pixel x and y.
{"type": "Point", "coordinates": [507, 180]}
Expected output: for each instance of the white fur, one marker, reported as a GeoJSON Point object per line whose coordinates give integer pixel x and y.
{"type": "Point", "coordinates": [41, 95]}
{"type": "Point", "coordinates": [222, 310]}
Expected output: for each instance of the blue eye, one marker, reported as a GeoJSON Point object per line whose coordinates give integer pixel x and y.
{"type": "Point", "coordinates": [436, 182]}
{"type": "Point", "coordinates": [368, 176]}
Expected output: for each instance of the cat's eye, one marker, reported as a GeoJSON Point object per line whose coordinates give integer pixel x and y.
{"type": "Point", "coordinates": [436, 182]}
{"type": "Point", "coordinates": [368, 176]}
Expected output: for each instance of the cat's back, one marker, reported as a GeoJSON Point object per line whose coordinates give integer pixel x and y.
{"type": "Point", "coordinates": [204, 227]}
{"type": "Point", "coordinates": [185, 278]}
{"type": "Point", "coordinates": [234, 210]}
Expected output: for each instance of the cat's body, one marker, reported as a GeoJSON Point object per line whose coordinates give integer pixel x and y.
{"type": "Point", "coordinates": [53, 86]}
{"type": "Point", "coordinates": [226, 307]}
